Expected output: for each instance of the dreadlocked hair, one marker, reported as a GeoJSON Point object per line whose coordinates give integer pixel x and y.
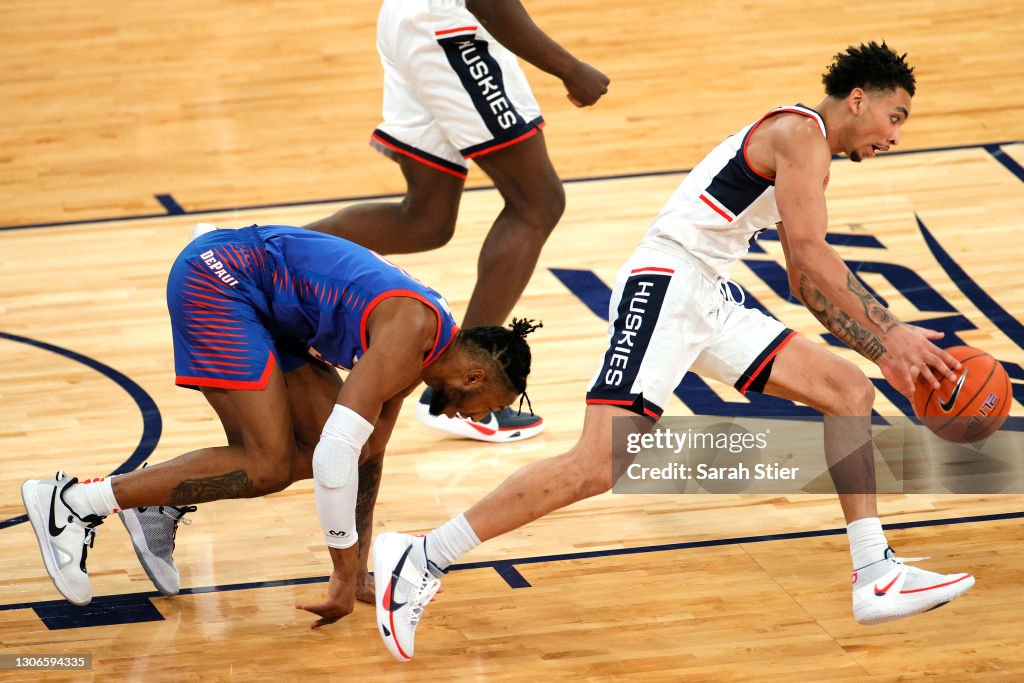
{"type": "Point", "coordinates": [870, 67]}
{"type": "Point", "coordinates": [506, 347]}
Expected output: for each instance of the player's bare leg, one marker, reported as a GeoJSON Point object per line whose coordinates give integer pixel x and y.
{"type": "Point", "coordinates": [810, 374]}
{"type": "Point", "coordinates": [258, 459]}
{"type": "Point", "coordinates": [406, 568]}
{"type": "Point", "coordinates": [424, 219]}
{"type": "Point", "coordinates": [534, 202]}
{"type": "Point", "coordinates": [884, 588]}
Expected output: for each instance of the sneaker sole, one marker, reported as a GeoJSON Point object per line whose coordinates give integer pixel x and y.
{"type": "Point", "coordinates": [37, 519]}
{"type": "Point", "coordinates": [131, 523]}
{"type": "Point", "coordinates": [883, 614]}
{"type": "Point", "coordinates": [381, 579]}
{"type": "Point", "coordinates": [462, 428]}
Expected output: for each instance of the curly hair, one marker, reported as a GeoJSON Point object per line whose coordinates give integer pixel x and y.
{"type": "Point", "coordinates": [870, 67]}
{"type": "Point", "coordinates": [504, 347]}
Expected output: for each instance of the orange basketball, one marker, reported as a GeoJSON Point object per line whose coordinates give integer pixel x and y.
{"type": "Point", "coordinates": [972, 406]}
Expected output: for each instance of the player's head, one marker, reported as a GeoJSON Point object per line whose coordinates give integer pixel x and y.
{"type": "Point", "coordinates": [487, 373]}
{"type": "Point", "coordinates": [874, 85]}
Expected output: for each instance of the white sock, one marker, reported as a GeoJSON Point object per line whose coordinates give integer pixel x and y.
{"type": "Point", "coordinates": [449, 542]}
{"type": "Point", "coordinates": [867, 541]}
{"type": "Point", "coordinates": [92, 497]}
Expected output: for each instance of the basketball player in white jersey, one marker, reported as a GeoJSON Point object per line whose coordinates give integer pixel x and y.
{"type": "Point", "coordinates": [454, 92]}
{"type": "Point", "coordinates": [773, 172]}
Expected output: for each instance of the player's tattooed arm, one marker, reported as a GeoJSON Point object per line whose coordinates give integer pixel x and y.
{"type": "Point", "coordinates": [369, 484]}
{"type": "Point", "coordinates": [231, 485]}
{"type": "Point", "coordinates": [852, 333]}
{"type": "Point", "coordinates": [876, 312]}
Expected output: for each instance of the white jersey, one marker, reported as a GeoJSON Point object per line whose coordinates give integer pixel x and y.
{"type": "Point", "coordinates": [721, 207]}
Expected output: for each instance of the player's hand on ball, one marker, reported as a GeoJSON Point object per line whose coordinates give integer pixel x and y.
{"type": "Point", "coordinates": [585, 85]}
{"type": "Point", "coordinates": [340, 601]}
{"type": "Point", "coordinates": [910, 354]}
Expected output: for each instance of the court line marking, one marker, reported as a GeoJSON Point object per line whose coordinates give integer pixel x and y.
{"type": "Point", "coordinates": [993, 148]}
{"type": "Point", "coordinates": [501, 566]}
{"type": "Point", "coordinates": [152, 423]}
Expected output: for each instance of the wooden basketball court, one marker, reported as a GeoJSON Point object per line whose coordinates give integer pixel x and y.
{"type": "Point", "coordinates": [125, 124]}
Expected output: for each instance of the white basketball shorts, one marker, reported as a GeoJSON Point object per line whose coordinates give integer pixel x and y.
{"type": "Point", "coordinates": [668, 315]}
{"type": "Point", "coordinates": [451, 91]}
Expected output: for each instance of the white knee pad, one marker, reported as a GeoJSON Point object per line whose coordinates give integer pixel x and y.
{"type": "Point", "coordinates": [336, 475]}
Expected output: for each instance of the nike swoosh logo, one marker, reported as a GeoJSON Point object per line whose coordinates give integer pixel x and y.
{"type": "Point", "coordinates": [879, 592]}
{"type": "Point", "coordinates": [389, 596]}
{"type": "Point", "coordinates": [947, 405]}
{"type": "Point", "coordinates": [54, 529]}
{"type": "Point", "coordinates": [486, 431]}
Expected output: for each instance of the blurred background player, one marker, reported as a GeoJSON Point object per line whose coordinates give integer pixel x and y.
{"type": "Point", "coordinates": [453, 91]}
{"type": "Point", "coordinates": [673, 309]}
{"type": "Point", "coordinates": [258, 317]}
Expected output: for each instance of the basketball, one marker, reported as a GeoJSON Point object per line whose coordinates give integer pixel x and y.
{"type": "Point", "coordinates": [970, 407]}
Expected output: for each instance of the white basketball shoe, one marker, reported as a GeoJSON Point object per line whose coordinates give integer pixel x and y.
{"type": "Point", "coordinates": [504, 426]}
{"type": "Point", "coordinates": [403, 587]}
{"type": "Point", "coordinates": [64, 537]}
{"type": "Point", "coordinates": [889, 589]}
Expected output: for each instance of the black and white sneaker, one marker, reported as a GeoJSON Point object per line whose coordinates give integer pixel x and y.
{"type": "Point", "coordinates": [63, 536]}
{"type": "Point", "coordinates": [153, 531]}
{"type": "Point", "coordinates": [504, 426]}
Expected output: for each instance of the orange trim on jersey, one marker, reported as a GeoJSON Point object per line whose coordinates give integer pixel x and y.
{"type": "Point", "coordinates": [437, 352]}
{"type": "Point", "coordinates": [715, 207]}
{"type": "Point", "coordinates": [217, 383]}
{"type": "Point", "coordinates": [781, 110]}
{"type": "Point", "coordinates": [771, 355]}
{"type": "Point", "coordinates": [408, 294]}
{"type": "Point", "coordinates": [507, 143]}
{"type": "Point", "coordinates": [454, 30]}
{"type": "Point", "coordinates": [418, 158]}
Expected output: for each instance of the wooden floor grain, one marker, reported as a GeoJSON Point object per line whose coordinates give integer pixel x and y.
{"type": "Point", "coordinates": [239, 104]}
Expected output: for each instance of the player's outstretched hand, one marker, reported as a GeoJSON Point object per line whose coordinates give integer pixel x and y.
{"type": "Point", "coordinates": [910, 353]}
{"type": "Point", "coordinates": [340, 601]}
{"type": "Point", "coordinates": [585, 85]}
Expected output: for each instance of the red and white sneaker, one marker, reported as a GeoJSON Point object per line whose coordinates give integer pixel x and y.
{"type": "Point", "coordinates": [504, 426]}
{"type": "Point", "coordinates": [403, 586]}
{"type": "Point", "coordinates": [889, 589]}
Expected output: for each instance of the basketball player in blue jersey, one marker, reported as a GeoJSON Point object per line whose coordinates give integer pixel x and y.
{"type": "Point", "coordinates": [672, 311]}
{"type": "Point", "coordinates": [454, 92]}
{"type": "Point", "coordinates": [258, 317]}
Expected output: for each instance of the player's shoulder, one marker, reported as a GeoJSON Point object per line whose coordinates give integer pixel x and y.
{"type": "Point", "coordinates": [796, 123]}
{"type": "Point", "coordinates": [404, 318]}
{"type": "Point", "coordinates": [798, 134]}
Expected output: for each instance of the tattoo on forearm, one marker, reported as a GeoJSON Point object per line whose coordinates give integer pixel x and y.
{"type": "Point", "coordinates": [369, 482]}
{"type": "Point", "coordinates": [231, 485]}
{"type": "Point", "coordinates": [876, 312]}
{"type": "Point", "coordinates": [839, 323]}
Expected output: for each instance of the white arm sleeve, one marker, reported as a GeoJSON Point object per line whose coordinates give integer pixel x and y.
{"type": "Point", "coordinates": [336, 474]}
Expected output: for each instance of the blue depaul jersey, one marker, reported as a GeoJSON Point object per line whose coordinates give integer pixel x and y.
{"type": "Point", "coordinates": [325, 289]}
{"type": "Point", "coordinates": [241, 298]}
